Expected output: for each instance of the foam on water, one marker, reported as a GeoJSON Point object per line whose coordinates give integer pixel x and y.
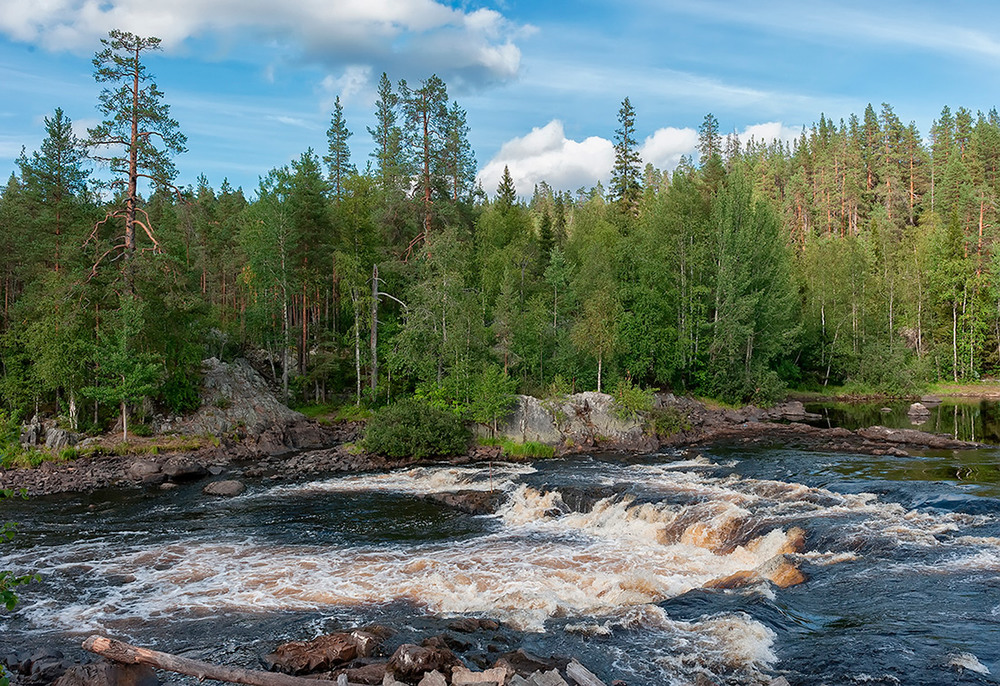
{"type": "Point", "coordinates": [420, 480]}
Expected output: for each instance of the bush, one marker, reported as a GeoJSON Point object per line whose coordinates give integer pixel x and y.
{"type": "Point", "coordinates": [631, 400]}
{"type": "Point", "coordinates": [668, 421]}
{"type": "Point", "coordinates": [414, 429]}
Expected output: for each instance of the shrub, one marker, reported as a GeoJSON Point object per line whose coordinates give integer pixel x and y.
{"type": "Point", "coordinates": [631, 400]}
{"type": "Point", "coordinates": [415, 429]}
{"type": "Point", "coordinates": [668, 421]}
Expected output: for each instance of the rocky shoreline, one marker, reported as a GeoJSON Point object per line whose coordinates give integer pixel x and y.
{"type": "Point", "coordinates": [303, 448]}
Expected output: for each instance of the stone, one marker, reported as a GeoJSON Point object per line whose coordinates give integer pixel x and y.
{"type": "Point", "coordinates": [525, 664]}
{"type": "Point", "coordinates": [183, 468]}
{"type": "Point", "coordinates": [368, 675]}
{"type": "Point", "coordinates": [581, 675]}
{"type": "Point", "coordinates": [227, 488]}
{"type": "Point", "coordinates": [461, 676]}
{"type": "Point", "coordinates": [469, 625]}
{"type": "Point", "coordinates": [320, 654]}
{"type": "Point", "coordinates": [918, 410]}
{"type": "Point", "coordinates": [434, 678]}
{"type": "Point", "coordinates": [471, 502]}
{"type": "Point", "coordinates": [411, 662]}
{"type": "Point", "coordinates": [141, 470]}
{"type": "Point", "coordinates": [106, 673]}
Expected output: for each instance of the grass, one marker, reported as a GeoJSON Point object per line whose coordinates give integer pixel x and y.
{"type": "Point", "coordinates": [529, 450]}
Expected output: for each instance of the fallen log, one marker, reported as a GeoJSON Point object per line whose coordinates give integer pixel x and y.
{"type": "Point", "coordinates": [129, 654]}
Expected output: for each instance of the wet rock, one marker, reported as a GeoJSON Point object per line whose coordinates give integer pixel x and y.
{"type": "Point", "coordinates": [782, 571]}
{"type": "Point", "coordinates": [410, 662]}
{"type": "Point", "coordinates": [227, 488]}
{"type": "Point", "coordinates": [930, 400]}
{"type": "Point", "coordinates": [106, 673]}
{"type": "Point", "coordinates": [581, 675]}
{"type": "Point", "coordinates": [791, 411]}
{"type": "Point", "coordinates": [183, 468]}
{"type": "Point", "coordinates": [470, 502]}
{"type": "Point", "coordinates": [918, 410]}
{"type": "Point", "coordinates": [469, 625]}
{"type": "Point", "coordinates": [550, 678]}
{"type": "Point", "coordinates": [145, 470]}
{"type": "Point", "coordinates": [912, 437]}
{"type": "Point", "coordinates": [525, 664]}
{"type": "Point", "coordinates": [435, 678]}
{"type": "Point", "coordinates": [321, 654]}
{"type": "Point", "coordinates": [497, 676]}
{"type": "Point", "coordinates": [366, 674]}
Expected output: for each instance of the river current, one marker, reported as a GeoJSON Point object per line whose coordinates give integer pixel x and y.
{"type": "Point", "coordinates": [605, 558]}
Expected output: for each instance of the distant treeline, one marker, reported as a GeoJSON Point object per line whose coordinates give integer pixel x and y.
{"type": "Point", "coordinates": [860, 254]}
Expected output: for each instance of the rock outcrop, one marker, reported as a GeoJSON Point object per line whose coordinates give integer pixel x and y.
{"type": "Point", "coordinates": [234, 396]}
{"type": "Point", "coordinates": [582, 419]}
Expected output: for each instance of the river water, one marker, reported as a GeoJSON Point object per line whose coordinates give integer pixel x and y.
{"type": "Point", "coordinates": [604, 558]}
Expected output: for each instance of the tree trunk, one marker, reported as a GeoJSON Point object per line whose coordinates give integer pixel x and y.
{"type": "Point", "coordinates": [600, 365]}
{"type": "Point", "coordinates": [131, 655]}
{"type": "Point", "coordinates": [374, 330]}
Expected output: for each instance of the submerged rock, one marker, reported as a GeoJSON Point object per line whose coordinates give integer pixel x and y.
{"type": "Point", "coordinates": [227, 488]}
{"type": "Point", "coordinates": [321, 654]}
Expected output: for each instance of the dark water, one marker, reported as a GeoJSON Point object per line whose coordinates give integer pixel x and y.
{"type": "Point", "coordinates": [967, 419]}
{"type": "Point", "coordinates": [606, 559]}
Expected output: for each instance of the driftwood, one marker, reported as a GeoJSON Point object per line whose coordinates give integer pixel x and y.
{"type": "Point", "coordinates": [129, 654]}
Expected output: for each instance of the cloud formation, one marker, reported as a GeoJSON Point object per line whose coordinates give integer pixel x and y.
{"type": "Point", "coordinates": [410, 37]}
{"type": "Point", "coordinates": [546, 154]}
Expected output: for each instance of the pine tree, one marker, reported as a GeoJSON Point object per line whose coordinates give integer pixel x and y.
{"type": "Point", "coordinates": [136, 117]}
{"type": "Point", "coordinates": [425, 115]}
{"type": "Point", "coordinates": [338, 160]}
{"type": "Point", "coordinates": [459, 159]}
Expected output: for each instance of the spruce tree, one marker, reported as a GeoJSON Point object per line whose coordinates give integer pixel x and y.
{"type": "Point", "coordinates": [506, 193]}
{"type": "Point", "coordinates": [338, 159]}
{"type": "Point", "coordinates": [625, 187]}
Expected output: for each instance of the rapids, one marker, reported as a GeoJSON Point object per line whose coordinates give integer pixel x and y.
{"type": "Point", "coordinates": [610, 559]}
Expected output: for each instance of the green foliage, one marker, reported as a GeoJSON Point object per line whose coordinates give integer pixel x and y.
{"type": "Point", "coordinates": [630, 400]}
{"type": "Point", "coordinates": [415, 429]}
{"type": "Point", "coordinates": [9, 580]}
{"type": "Point", "coordinates": [528, 450]}
{"type": "Point", "coordinates": [667, 421]}
{"type": "Point", "coordinates": [493, 396]}
{"type": "Point", "coordinates": [179, 393]}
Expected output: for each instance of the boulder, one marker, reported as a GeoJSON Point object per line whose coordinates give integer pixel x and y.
{"type": "Point", "coordinates": [435, 678]}
{"type": "Point", "coordinates": [234, 396]}
{"type": "Point", "coordinates": [918, 410]}
{"type": "Point", "coordinates": [183, 468]}
{"type": "Point", "coordinates": [368, 675]}
{"type": "Point", "coordinates": [526, 664]}
{"type": "Point", "coordinates": [106, 673]}
{"type": "Point", "coordinates": [460, 676]}
{"type": "Point", "coordinates": [410, 662]}
{"type": "Point", "coordinates": [550, 678]}
{"type": "Point", "coordinates": [582, 418]}
{"type": "Point", "coordinates": [146, 471]}
{"type": "Point", "coordinates": [470, 502]}
{"type": "Point", "coordinates": [227, 488]}
{"type": "Point", "coordinates": [321, 654]}
{"type": "Point", "coordinates": [469, 625]}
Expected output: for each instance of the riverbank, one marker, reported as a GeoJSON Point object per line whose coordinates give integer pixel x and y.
{"type": "Point", "coordinates": [304, 447]}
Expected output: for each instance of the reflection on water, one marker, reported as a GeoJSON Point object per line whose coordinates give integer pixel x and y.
{"type": "Point", "coordinates": [967, 419]}
{"type": "Point", "coordinates": [613, 560]}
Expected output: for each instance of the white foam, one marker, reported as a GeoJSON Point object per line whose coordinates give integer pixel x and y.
{"type": "Point", "coordinates": [967, 661]}
{"type": "Point", "coordinates": [416, 480]}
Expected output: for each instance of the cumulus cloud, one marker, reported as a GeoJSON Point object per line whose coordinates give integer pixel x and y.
{"type": "Point", "coordinates": [666, 146]}
{"type": "Point", "coordinates": [546, 154]}
{"type": "Point", "coordinates": [769, 132]}
{"type": "Point", "coordinates": [412, 37]}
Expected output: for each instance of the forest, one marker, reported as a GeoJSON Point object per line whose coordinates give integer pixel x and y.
{"type": "Point", "coordinates": [862, 256]}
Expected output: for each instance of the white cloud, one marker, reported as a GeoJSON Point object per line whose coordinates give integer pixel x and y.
{"type": "Point", "coordinates": [666, 146]}
{"type": "Point", "coordinates": [354, 83]}
{"type": "Point", "coordinates": [415, 36]}
{"type": "Point", "coordinates": [547, 155]}
{"type": "Point", "coordinates": [769, 132]}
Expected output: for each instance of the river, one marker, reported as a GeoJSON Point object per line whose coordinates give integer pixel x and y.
{"type": "Point", "coordinates": [604, 558]}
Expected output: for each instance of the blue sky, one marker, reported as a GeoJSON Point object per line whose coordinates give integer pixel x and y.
{"type": "Point", "coordinates": [252, 82]}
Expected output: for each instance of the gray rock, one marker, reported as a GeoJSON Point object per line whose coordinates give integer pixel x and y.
{"type": "Point", "coordinates": [108, 674]}
{"type": "Point", "coordinates": [235, 396]}
{"type": "Point", "coordinates": [141, 470]}
{"type": "Point", "coordinates": [918, 410]}
{"type": "Point", "coordinates": [583, 418]}
{"type": "Point", "coordinates": [227, 488]}
{"type": "Point", "coordinates": [183, 468]}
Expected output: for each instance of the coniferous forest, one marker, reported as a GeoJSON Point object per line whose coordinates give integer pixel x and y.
{"type": "Point", "coordinates": [863, 255]}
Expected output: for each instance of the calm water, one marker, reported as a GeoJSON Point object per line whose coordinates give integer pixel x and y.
{"type": "Point", "coordinates": [967, 419]}
{"type": "Point", "coordinates": [605, 559]}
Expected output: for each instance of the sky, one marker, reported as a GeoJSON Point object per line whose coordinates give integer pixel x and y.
{"type": "Point", "coordinates": [252, 82]}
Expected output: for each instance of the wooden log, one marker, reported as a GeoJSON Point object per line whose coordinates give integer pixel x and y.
{"type": "Point", "coordinates": [582, 675]}
{"type": "Point", "coordinates": [129, 654]}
